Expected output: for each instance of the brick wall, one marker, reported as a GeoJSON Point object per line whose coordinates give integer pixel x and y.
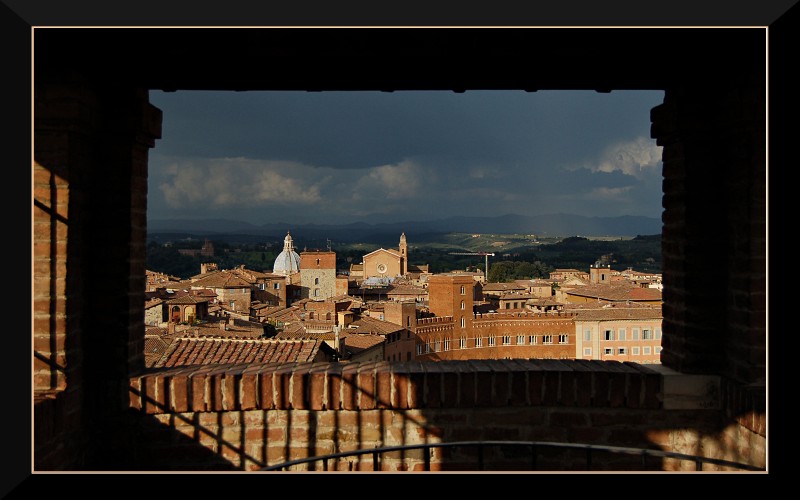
{"type": "Point", "coordinates": [714, 236]}
{"type": "Point", "coordinates": [90, 185]}
{"type": "Point", "coordinates": [250, 416]}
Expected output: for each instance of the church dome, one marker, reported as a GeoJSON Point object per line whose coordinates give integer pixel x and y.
{"type": "Point", "coordinates": [288, 261]}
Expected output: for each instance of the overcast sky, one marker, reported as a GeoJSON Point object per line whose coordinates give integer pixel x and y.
{"type": "Point", "coordinates": [340, 157]}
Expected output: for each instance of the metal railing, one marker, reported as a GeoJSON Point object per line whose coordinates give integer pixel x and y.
{"type": "Point", "coordinates": [534, 447]}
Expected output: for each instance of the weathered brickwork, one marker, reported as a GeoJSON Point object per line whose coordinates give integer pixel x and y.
{"type": "Point", "coordinates": [76, 133]}
{"type": "Point", "coordinates": [252, 416]}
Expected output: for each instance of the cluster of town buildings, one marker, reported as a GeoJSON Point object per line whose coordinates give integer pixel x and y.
{"type": "Point", "coordinates": [385, 308]}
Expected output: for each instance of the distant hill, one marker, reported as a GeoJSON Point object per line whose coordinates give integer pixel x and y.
{"type": "Point", "coordinates": [541, 225]}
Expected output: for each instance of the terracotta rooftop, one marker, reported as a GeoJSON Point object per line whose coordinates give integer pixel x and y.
{"type": "Point", "coordinates": [220, 279]}
{"type": "Point", "coordinates": [152, 302]}
{"type": "Point", "coordinates": [359, 342]}
{"type": "Point", "coordinates": [186, 298]}
{"type": "Point", "coordinates": [185, 351]}
{"type": "Point", "coordinates": [239, 328]}
{"type": "Point", "coordinates": [406, 290]}
{"type": "Point", "coordinates": [618, 313]}
{"type": "Point", "coordinates": [516, 295]}
{"type": "Point", "coordinates": [156, 342]}
{"type": "Point", "coordinates": [618, 291]}
{"type": "Point", "coordinates": [501, 287]}
{"type": "Point", "coordinates": [302, 334]}
{"type": "Point", "coordinates": [369, 325]}
{"type": "Point", "coordinates": [544, 301]}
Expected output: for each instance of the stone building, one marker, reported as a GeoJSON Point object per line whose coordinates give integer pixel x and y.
{"type": "Point", "coordinates": [318, 275]}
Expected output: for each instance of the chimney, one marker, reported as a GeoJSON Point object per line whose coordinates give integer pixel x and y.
{"type": "Point", "coordinates": [223, 324]}
{"type": "Point", "coordinates": [171, 327]}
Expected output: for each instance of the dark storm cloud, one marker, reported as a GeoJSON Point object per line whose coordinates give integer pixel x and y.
{"type": "Point", "coordinates": [343, 156]}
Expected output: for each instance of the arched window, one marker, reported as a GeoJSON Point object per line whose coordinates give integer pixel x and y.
{"type": "Point", "coordinates": [463, 290]}
{"type": "Point", "coordinates": [462, 305]}
{"type": "Point", "coordinates": [463, 322]}
{"type": "Point", "coordinates": [328, 316]}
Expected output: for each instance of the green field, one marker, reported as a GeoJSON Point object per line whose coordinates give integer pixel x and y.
{"type": "Point", "coordinates": [517, 256]}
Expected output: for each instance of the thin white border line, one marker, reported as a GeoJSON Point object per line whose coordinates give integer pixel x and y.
{"type": "Point", "coordinates": [402, 27]}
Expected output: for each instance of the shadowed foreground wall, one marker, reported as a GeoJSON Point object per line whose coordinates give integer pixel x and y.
{"type": "Point", "coordinates": [251, 416]}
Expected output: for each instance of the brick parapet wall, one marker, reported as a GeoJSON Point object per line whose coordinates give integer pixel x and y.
{"type": "Point", "coordinates": [399, 385]}
{"type": "Point", "coordinates": [250, 416]}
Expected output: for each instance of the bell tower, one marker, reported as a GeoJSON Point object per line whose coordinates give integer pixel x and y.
{"type": "Point", "coordinates": [403, 255]}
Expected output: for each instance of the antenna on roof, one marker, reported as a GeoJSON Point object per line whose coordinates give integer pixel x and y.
{"type": "Point", "coordinates": [329, 244]}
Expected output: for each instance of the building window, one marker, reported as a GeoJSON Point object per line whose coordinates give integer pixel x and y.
{"type": "Point", "coordinates": [647, 334]}
{"type": "Point", "coordinates": [608, 351]}
{"type": "Point", "coordinates": [276, 286]}
{"type": "Point", "coordinates": [462, 305]}
{"type": "Point", "coordinates": [462, 343]}
{"type": "Point", "coordinates": [463, 322]}
{"type": "Point", "coordinates": [311, 315]}
{"type": "Point", "coordinates": [491, 341]}
{"type": "Point", "coordinates": [635, 351]}
{"type": "Point", "coordinates": [587, 335]}
{"type": "Point", "coordinates": [463, 290]}
{"type": "Point", "coordinates": [547, 339]}
{"type": "Point", "coordinates": [622, 350]}
{"type": "Point", "coordinates": [446, 344]}
{"type": "Point", "coordinates": [508, 305]}
{"type": "Point", "coordinates": [520, 339]}
{"type": "Point", "coordinates": [563, 339]}
{"type": "Point", "coordinates": [621, 332]}
{"type": "Point", "coordinates": [608, 335]}
{"type": "Point", "coordinates": [262, 286]}
{"type": "Point", "coordinates": [328, 316]}
{"type": "Point", "coordinates": [506, 339]}
{"type": "Point", "coordinates": [437, 345]}
{"type": "Point", "coordinates": [316, 281]}
{"type": "Point", "coordinates": [646, 350]}
{"type": "Point", "coordinates": [316, 292]}
{"type": "Point", "coordinates": [419, 349]}
{"type": "Point", "coordinates": [478, 341]}
{"type": "Point", "coordinates": [658, 349]}
{"type": "Point", "coordinates": [635, 334]}
{"type": "Point", "coordinates": [317, 261]}
{"type": "Point", "coordinates": [587, 351]}
{"type": "Point", "coordinates": [658, 333]}
{"type": "Point", "coordinates": [533, 339]}
{"type": "Point", "coordinates": [428, 346]}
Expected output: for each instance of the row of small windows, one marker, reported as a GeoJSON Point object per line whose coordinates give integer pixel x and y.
{"type": "Point", "coordinates": [490, 342]}
{"type": "Point", "coordinates": [621, 334]}
{"type": "Point", "coordinates": [611, 351]}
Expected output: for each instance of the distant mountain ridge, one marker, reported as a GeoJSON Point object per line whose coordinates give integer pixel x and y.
{"type": "Point", "coordinates": [541, 225]}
